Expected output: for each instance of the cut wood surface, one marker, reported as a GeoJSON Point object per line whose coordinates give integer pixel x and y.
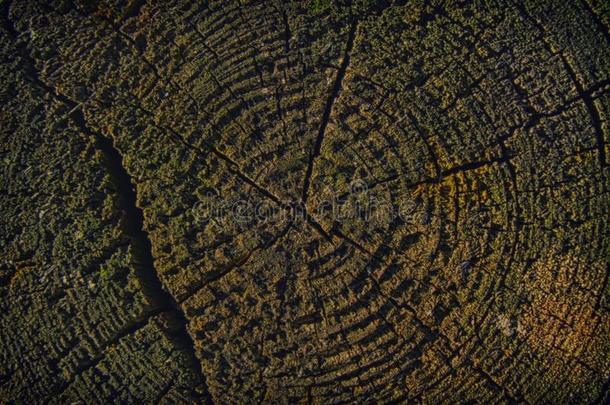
{"type": "Point", "coordinates": [466, 144]}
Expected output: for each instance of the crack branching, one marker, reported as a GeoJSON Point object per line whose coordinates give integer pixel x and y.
{"type": "Point", "coordinates": [234, 169]}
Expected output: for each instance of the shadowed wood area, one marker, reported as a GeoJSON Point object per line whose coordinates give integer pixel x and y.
{"type": "Point", "coordinates": [305, 201]}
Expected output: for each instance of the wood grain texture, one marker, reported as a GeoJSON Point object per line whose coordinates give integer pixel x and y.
{"type": "Point", "coordinates": [480, 131]}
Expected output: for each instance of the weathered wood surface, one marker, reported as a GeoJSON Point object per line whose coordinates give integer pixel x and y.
{"type": "Point", "coordinates": [485, 126]}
